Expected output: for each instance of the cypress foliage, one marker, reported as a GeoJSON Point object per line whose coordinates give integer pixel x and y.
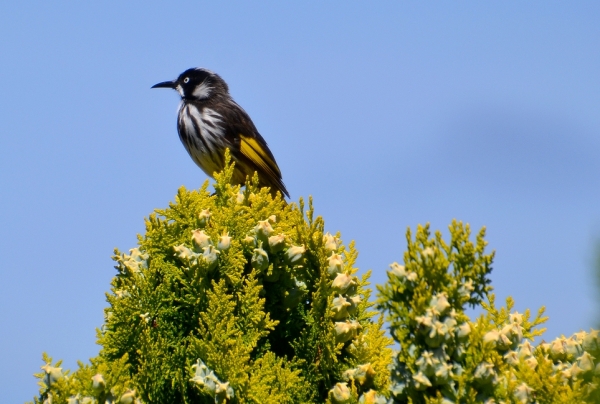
{"type": "Point", "coordinates": [233, 297]}
{"type": "Point", "coordinates": [239, 297]}
{"type": "Point", "coordinates": [445, 357]}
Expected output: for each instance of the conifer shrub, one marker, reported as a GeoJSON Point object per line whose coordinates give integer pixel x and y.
{"type": "Point", "coordinates": [445, 357]}
{"type": "Point", "coordinates": [232, 297]}
{"type": "Point", "coordinates": [239, 297]}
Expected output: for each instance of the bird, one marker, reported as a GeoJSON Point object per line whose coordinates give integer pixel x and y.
{"type": "Point", "coordinates": [209, 121]}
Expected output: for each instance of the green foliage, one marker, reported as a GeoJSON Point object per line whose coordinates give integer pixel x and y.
{"type": "Point", "coordinates": [232, 297]}
{"type": "Point", "coordinates": [98, 382]}
{"type": "Point", "coordinates": [239, 297]}
{"type": "Point", "coordinates": [445, 357]}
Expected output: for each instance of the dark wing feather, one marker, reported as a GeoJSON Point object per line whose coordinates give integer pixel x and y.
{"type": "Point", "coordinates": [249, 148]}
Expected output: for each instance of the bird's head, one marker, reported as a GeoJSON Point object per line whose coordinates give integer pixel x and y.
{"type": "Point", "coordinates": [196, 84]}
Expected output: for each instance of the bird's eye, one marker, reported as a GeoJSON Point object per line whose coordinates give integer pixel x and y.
{"type": "Point", "coordinates": [186, 80]}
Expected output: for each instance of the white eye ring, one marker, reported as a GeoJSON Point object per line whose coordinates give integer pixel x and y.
{"type": "Point", "coordinates": [187, 79]}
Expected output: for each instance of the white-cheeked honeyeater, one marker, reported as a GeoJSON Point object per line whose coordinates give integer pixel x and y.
{"type": "Point", "coordinates": [210, 121]}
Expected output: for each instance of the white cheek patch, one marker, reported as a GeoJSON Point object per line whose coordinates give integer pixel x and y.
{"type": "Point", "coordinates": [179, 89]}
{"type": "Point", "coordinates": [202, 91]}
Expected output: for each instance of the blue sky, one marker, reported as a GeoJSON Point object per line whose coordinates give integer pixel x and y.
{"type": "Point", "coordinates": [389, 114]}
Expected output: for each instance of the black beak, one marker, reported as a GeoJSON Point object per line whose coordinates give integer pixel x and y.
{"type": "Point", "coordinates": [165, 84]}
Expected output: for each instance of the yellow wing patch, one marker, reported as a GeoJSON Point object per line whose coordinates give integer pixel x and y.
{"type": "Point", "coordinates": [253, 150]}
